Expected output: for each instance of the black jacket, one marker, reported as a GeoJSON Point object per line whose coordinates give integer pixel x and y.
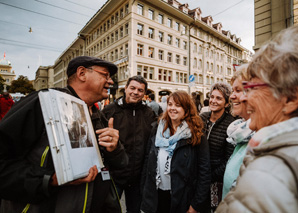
{"type": "Point", "coordinates": [220, 149]}
{"type": "Point", "coordinates": [190, 176]}
{"type": "Point", "coordinates": [134, 124]}
{"type": "Point", "coordinates": [23, 180]}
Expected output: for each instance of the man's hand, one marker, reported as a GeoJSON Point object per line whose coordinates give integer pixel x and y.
{"type": "Point", "coordinates": [93, 171]}
{"type": "Point", "coordinates": [108, 137]}
{"type": "Point", "coordinates": [191, 210]}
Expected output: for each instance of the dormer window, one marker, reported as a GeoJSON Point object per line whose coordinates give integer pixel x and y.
{"type": "Point", "coordinates": [218, 27]}
{"type": "Point", "coordinates": [175, 5]}
{"type": "Point", "coordinates": [209, 22]}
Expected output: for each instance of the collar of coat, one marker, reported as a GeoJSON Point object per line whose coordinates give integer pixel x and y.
{"type": "Point", "coordinates": [281, 141]}
{"type": "Point", "coordinates": [182, 142]}
{"type": "Point", "coordinates": [206, 117]}
{"type": "Point", "coordinates": [122, 103]}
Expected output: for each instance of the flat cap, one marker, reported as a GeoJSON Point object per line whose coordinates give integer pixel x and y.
{"type": "Point", "coordinates": [88, 61]}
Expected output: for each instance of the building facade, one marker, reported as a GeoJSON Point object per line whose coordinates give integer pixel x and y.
{"type": "Point", "coordinates": [44, 78]}
{"type": "Point", "coordinates": [272, 16]}
{"type": "Point", "coordinates": [6, 72]}
{"type": "Point", "coordinates": [164, 41]}
{"type": "Point", "coordinates": [295, 11]}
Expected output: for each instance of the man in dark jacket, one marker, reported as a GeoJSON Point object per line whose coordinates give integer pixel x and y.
{"type": "Point", "coordinates": [133, 119]}
{"type": "Point", "coordinates": [27, 175]}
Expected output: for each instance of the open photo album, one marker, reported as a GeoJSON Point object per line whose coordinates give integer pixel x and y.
{"type": "Point", "coordinates": [71, 136]}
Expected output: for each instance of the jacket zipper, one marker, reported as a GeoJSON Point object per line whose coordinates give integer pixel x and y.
{"type": "Point", "coordinates": [210, 131]}
{"type": "Point", "coordinates": [134, 139]}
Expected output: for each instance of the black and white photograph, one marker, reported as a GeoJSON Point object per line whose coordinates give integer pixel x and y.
{"type": "Point", "coordinates": [76, 123]}
{"type": "Point", "coordinates": [71, 135]}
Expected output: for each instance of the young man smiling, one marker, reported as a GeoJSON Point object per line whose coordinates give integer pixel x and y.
{"type": "Point", "coordinates": [133, 119]}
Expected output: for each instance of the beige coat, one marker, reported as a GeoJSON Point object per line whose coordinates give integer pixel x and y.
{"type": "Point", "coordinates": [265, 184]}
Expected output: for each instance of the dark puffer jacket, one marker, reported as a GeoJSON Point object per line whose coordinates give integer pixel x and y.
{"type": "Point", "coordinates": [134, 124]}
{"type": "Point", "coordinates": [190, 176]}
{"type": "Point", "coordinates": [220, 149]}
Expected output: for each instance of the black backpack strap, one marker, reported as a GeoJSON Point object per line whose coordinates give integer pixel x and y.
{"type": "Point", "coordinates": [289, 161]}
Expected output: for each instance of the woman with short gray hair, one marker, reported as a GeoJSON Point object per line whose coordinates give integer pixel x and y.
{"type": "Point", "coordinates": [268, 179]}
{"type": "Point", "coordinates": [216, 123]}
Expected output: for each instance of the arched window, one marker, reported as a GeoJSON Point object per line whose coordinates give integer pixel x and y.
{"type": "Point", "coordinates": [195, 63]}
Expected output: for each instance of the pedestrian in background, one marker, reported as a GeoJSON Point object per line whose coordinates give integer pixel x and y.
{"type": "Point", "coordinates": [6, 103]}
{"type": "Point", "coordinates": [163, 103]}
{"type": "Point", "coordinates": [238, 131]}
{"type": "Point", "coordinates": [216, 123]}
{"type": "Point", "coordinates": [153, 105]}
{"type": "Point", "coordinates": [197, 102]}
{"type": "Point", "coordinates": [267, 183]}
{"type": "Point", "coordinates": [133, 119]}
{"type": "Point", "coordinates": [205, 108]}
{"type": "Point", "coordinates": [176, 175]}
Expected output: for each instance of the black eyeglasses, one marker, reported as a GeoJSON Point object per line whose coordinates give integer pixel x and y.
{"type": "Point", "coordinates": [106, 74]}
{"type": "Point", "coordinates": [248, 86]}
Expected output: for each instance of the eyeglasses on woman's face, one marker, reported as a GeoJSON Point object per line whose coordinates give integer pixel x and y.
{"type": "Point", "coordinates": [248, 86]}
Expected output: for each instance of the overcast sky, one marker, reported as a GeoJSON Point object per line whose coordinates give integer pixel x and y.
{"type": "Point", "coordinates": [55, 24]}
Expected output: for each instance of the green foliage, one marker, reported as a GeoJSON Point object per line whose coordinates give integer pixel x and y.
{"type": "Point", "coordinates": [1, 84]}
{"type": "Point", "coordinates": [21, 85]}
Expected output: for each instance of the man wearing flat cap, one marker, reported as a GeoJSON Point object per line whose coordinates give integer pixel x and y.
{"type": "Point", "coordinates": [25, 185]}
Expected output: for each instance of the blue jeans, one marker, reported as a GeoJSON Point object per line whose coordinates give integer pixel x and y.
{"type": "Point", "coordinates": [132, 197]}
